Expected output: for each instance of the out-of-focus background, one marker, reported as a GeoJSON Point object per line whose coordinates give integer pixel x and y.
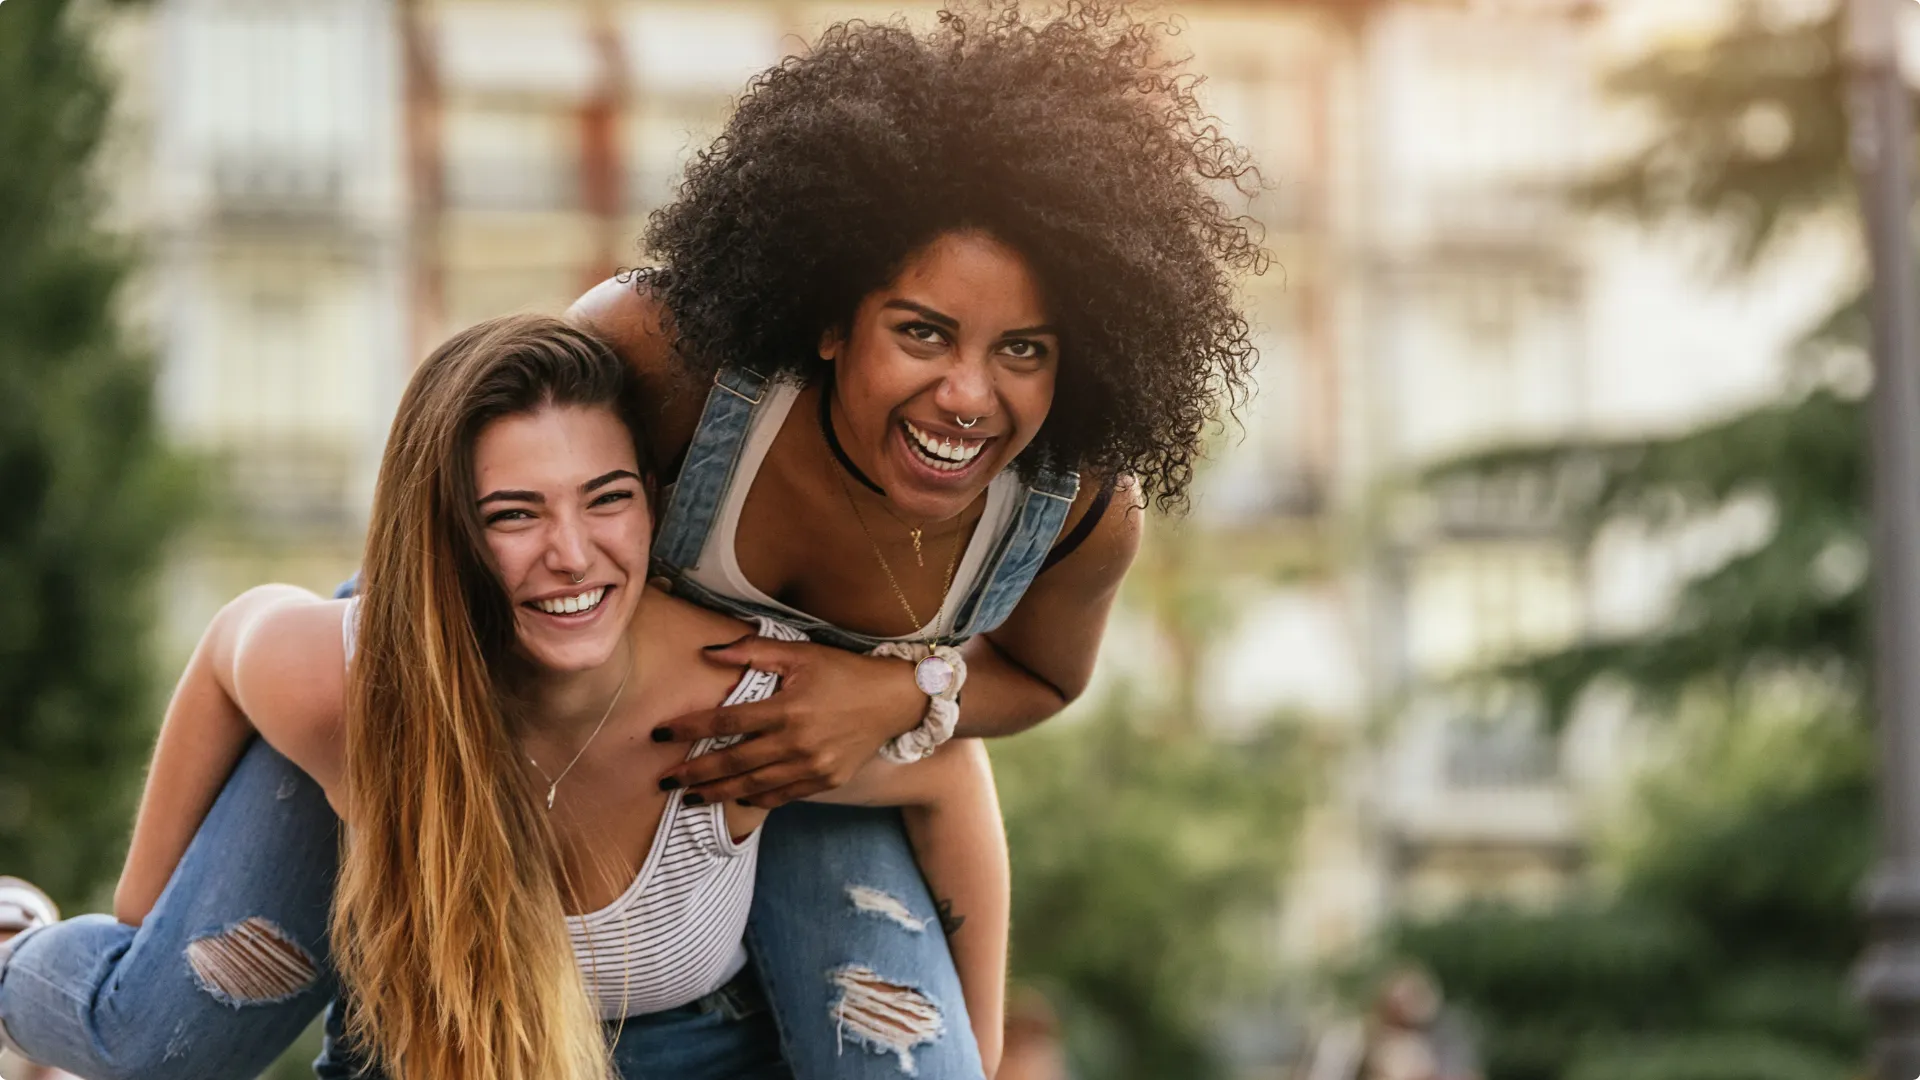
{"type": "Point", "coordinates": [1497, 711]}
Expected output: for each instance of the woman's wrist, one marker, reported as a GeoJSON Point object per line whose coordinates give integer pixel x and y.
{"type": "Point", "coordinates": [938, 672]}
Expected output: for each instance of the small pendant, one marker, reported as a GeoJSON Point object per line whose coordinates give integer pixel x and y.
{"type": "Point", "coordinates": [917, 560]}
{"type": "Point", "coordinates": [551, 792]}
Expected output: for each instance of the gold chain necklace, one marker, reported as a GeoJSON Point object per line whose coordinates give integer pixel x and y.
{"type": "Point", "coordinates": [953, 561]}
{"type": "Point", "coordinates": [553, 782]}
{"type": "Point", "coordinates": [912, 532]}
{"type": "Point", "coordinates": [900, 594]}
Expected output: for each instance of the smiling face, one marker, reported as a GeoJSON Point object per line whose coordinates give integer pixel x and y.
{"type": "Point", "coordinates": [559, 495]}
{"type": "Point", "coordinates": [960, 337]}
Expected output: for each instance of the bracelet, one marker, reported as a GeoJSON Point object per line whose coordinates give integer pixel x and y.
{"type": "Point", "coordinates": [939, 671]}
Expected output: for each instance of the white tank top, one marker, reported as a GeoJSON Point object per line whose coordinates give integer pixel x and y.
{"type": "Point", "coordinates": [677, 933]}
{"type": "Point", "coordinates": [718, 568]}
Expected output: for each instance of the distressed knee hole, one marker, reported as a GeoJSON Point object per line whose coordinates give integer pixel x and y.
{"type": "Point", "coordinates": [250, 963]}
{"type": "Point", "coordinates": [871, 901]}
{"type": "Point", "coordinates": [884, 1016]}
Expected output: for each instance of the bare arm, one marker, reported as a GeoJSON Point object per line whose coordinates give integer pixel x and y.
{"type": "Point", "coordinates": [1039, 660]}
{"type": "Point", "coordinates": [205, 729]}
{"type": "Point", "coordinates": [953, 820]}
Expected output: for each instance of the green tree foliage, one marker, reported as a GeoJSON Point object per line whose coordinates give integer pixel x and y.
{"type": "Point", "coordinates": [1749, 139]}
{"type": "Point", "coordinates": [1144, 859]}
{"type": "Point", "coordinates": [1724, 950]}
{"type": "Point", "coordinates": [91, 497]}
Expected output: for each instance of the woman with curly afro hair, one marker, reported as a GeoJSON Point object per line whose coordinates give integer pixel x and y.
{"type": "Point", "coordinates": [928, 325]}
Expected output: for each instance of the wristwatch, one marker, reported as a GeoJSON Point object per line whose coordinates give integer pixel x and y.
{"type": "Point", "coordinates": [939, 671]}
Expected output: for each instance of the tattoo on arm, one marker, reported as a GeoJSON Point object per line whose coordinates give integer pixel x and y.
{"type": "Point", "coordinates": [949, 921]}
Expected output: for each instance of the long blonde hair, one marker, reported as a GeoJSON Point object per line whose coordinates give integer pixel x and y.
{"type": "Point", "coordinates": [448, 922]}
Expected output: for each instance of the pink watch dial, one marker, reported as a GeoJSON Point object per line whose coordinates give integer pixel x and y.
{"type": "Point", "coordinates": [933, 676]}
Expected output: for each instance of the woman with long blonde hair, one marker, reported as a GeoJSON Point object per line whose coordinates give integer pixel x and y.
{"type": "Point", "coordinates": [515, 901]}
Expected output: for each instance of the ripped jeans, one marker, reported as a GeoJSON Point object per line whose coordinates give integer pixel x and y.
{"type": "Point", "coordinates": [232, 963]}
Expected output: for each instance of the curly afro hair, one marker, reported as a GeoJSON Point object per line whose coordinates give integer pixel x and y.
{"type": "Point", "coordinates": [1075, 140]}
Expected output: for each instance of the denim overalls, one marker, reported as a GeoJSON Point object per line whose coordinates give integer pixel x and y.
{"type": "Point", "coordinates": [805, 932]}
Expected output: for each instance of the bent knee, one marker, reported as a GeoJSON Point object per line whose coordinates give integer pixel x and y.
{"type": "Point", "coordinates": [250, 965]}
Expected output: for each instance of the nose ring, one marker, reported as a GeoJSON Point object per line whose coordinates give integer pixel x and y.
{"type": "Point", "coordinates": [966, 423]}
{"type": "Point", "coordinates": [577, 578]}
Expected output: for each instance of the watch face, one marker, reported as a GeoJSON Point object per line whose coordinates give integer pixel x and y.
{"type": "Point", "coordinates": [933, 676]}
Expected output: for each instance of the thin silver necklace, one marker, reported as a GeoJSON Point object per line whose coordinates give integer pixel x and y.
{"type": "Point", "coordinates": [553, 782]}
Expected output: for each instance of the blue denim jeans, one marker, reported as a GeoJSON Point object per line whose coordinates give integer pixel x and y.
{"type": "Point", "coordinates": [726, 1035]}
{"type": "Point", "coordinates": [820, 955]}
{"type": "Point", "coordinates": [232, 963]}
{"type": "Point", "coordinates": [177, 998]}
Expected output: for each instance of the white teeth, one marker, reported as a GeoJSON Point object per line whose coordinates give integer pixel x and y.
{"type": "Point", "coordinates": [945, 454]}
{"type": "Point", "coordinates": [568, 605]}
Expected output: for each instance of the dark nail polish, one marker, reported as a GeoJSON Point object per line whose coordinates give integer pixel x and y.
{"type": "Point", "coordinates": [662, 734]}
{"type": "Point", "coordinates": [668, 783]}
{"type": "Point", "coordinates": [694, 798]}
{"type": "Point", "coordinates": [745, 803]}
{"type": "Point", "coordinates": [726, 644]}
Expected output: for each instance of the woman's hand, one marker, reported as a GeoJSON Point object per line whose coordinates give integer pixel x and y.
{"type": "Point", "coordinates": [834, 711]}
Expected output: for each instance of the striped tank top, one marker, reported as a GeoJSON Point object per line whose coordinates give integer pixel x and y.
{"type": "Point", "coordinates": [678, 932]}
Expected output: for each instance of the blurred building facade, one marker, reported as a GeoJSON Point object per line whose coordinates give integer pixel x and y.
{"type": "Point", "coordinates": [330, 189]}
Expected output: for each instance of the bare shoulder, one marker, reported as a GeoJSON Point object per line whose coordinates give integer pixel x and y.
{"type": "Point", "coordinates": [290, 678]}
{"type": "Point", "coordinates": [1114, 539]}
{"type": "Point", "coordinates": [633, 320]}
{"type": "Point", "coordinates": [629, 318]}
{"type": "Point", "coordinates": [682, 630]}
{"type": "Point", "coordinates": [692, 622]}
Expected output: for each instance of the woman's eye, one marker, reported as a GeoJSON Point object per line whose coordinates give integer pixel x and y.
{"type": "Point", "coordinates": [923, 333]}
{"type": "Point", "coordinates": [1025, 350]}
{"type": "Point", "coordinates": [612, 497]}
{"type": "Point", "coordinates": [500, 516]}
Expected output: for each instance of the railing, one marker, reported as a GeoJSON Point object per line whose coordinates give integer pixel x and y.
{"type": "Point", "coordinates": [526, 185]}
{"type": "Point", "coordinates": [295, 486]}
{"type": "Point", "coordinates": [260, 184]}
{"type": "Point", "coordinates": [1497, 757]}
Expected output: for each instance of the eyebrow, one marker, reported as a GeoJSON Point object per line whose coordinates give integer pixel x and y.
{"type": "Point", "coordinates": [518, 495]}
{"type": "Point", "coordinates": [925, 312]}
{"type": "Point", "coordinates": [952, 323]}
{"type": "Point", "coordinates": [607, 478]}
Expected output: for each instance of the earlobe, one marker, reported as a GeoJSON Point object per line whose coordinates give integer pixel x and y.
{"type": "Point", "coordinates": [830, 341]}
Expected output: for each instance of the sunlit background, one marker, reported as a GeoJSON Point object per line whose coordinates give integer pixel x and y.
{"type": "Point", "coordinates": [1289, 775]}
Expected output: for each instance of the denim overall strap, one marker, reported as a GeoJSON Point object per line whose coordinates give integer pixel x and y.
{"type": "Point", "coordinates": [702, 485]}
{"type": "Point", "coordinates": [1020, 553]}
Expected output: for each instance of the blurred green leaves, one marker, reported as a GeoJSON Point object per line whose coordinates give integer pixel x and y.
{"type": "Point", "coordinates": [1146, 865]}
{"type": "Point", "coordinates": [1724, 950]}
{"type": "Point", "coordinates": [92, 499]}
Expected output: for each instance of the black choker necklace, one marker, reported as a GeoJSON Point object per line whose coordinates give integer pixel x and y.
{"type": "Point", "coordinates": [833, 442]}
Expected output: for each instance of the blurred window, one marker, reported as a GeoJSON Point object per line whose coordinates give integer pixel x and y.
{"type": "Point", "coordinates": [1260, 468]}
{"type": "Point", "coordinates": [1474, 604]}
{"type": "Point", "coordinates": [1279, 115]}
{"type": "Point", "coordinates": [698, 50]}
{"type": "Point", "coordinates": [282, 379]}
{"type": "Point", "coordinates": [1495, 353]}
{"type": "Point", "coordinates": [662, 135]}
{"type": "Point", "coordinates": [1485, 123]}
{"type": "Point", "coordinates": [276, 99]}
{"type": "Point", "coordinates": [515, 50]}
{"type": "Point", "coordinates": [1492, 753]}
{"type": "Point", "coordinates": [511, 157]}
